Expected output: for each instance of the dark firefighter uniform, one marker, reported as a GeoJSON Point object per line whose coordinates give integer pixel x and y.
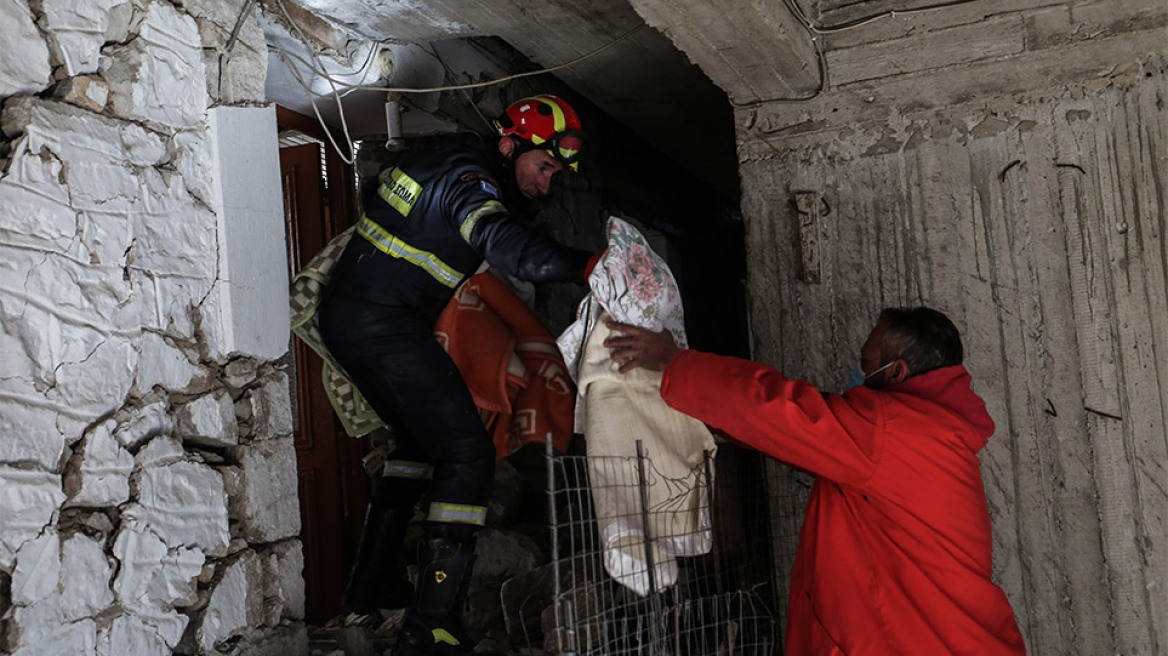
{"type": "Point", "coordinates": [428, 225]}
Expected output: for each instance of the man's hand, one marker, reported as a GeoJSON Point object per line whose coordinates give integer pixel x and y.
{"type": "Point", "coordinates": [638, 347]}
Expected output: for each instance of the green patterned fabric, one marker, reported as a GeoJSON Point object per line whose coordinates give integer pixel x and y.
{"type": "Point", "coordinates": [354, 411]}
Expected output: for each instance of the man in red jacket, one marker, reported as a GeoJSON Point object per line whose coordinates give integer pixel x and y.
{"type": "Point", "coordinates": [895, 552]}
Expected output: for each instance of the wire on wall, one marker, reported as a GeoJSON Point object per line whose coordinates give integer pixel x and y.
{"type": "Point", "coordinates": [814, 31]}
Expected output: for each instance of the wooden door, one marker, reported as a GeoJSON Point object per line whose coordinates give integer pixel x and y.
{"type": "Point", "coordinates": [333, 487]}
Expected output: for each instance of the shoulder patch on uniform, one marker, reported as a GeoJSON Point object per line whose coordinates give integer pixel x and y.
{"type": "Point", "coordinates": [489, 188]}
{"type": "Point", "coordinates": [486, 182]}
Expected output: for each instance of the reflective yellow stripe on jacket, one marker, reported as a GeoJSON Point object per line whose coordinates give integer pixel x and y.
{"type": "Point", "coordinates": [395, 247]}
{"type": "Point", "coordinates": [472, 219]}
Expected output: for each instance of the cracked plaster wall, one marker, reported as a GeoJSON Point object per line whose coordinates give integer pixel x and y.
{"type": "Point", "coordinates": [1006, 165]}
{"type": "Point", "coordinates": [148, 499]}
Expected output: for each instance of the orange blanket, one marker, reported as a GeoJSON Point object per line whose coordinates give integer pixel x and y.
{"type": "Point", "coordinates": [510, 363]}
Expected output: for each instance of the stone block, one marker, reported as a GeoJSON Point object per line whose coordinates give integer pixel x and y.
{"type": "Point", "coordinates": [238, 76]}
{"type": "Point", "coordinates": [162, 364]}
{"type": "Point", "coordinates": [208, 420]}
{"type": "Point", "coordinates": [97, 383]}
{"type": "Point", "coordinates": [85, 91]}
{"type": "Point", "coordinates": [190, 152]}
{"type": "Point", "coordinates": [129, 635]}
{"type": "Point", "coordinates": [174, 234]}
{"type": "Point", "coordinates": [86, 578]}
{"type": "Point", "coordinates": [158, 77]}
{"type": "Point", "coordinates": [268, 506]}
{"type": "Point", "coordinates": [79, 29]}
{"type": "Point", "coordinates": [243, 71]}
{"type": "Point", "coordinates": [185, 504]}
{"type": "Point", "coordinates": [143, 424]}
{"type": "Point", "coordinates": [24, 68]}
{"type": "Point", "coordinates": [236, 602]}
{"type": "Point", "coordinates": [36, 204]}
{"type": "Point", "coordinates": [103, 477]}
{"type": "Point", "coordinates": [28, 501]}
{"type": "Point", "coordinates": [30, 432]}
{"type": "Point", "coordinates": [37, 570]}
{"type": "Point", "coordinates": [284, 581]}
{"type": "Point", "coordinates": [240, 372]}
{"type": "Point", "coordinates": [153, 579]}
{"type": "Point", "coordinates": [42, 631]}
{"type": "Point", "coordinates": [99, 154]}
{"type": "Point", "coordinates": [269, 408]}
{"type": "Point", "coordinates": [161, 451]}
{"type": "Point", "coordinates": [171, 300]}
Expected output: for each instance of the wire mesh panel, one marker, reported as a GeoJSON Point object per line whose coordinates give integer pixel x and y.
{"type": "Point", "coordinates": [649, 564]}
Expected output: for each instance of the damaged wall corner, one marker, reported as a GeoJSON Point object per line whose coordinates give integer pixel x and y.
{"type": "Point", "coordinates": [141, 254]}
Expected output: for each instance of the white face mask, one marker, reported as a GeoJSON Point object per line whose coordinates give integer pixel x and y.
{"type": "Point", "coordinates": [858, 377]}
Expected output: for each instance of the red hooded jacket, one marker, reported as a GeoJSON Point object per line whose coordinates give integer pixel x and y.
{"type": "Point", "coordinates": [895, 552]}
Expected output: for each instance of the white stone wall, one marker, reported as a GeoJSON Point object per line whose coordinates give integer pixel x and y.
{"type": "Point", "coordinates": [148, 500]}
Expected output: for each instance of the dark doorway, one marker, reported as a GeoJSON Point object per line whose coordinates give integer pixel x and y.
{"type": "Point", "coordinates": [334, 490]}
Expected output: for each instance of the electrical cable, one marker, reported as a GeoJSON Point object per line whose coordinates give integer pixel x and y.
{"type": "Point", "coordinates": [320, 71]}
{"type": "Point", "coordinates": [813, 30]}
{"type": "Point", "coordinates": [474, 85]}
{"type": "Point", "coordinates": [469, 101]}
{"type": "Point", "coordinates": [351, 158]}
{"type": "Point", "coordinates": [858, 22]}
{"type": "Point", "coordinates": [328, 132]}
{"type": "Point", "coordinates": [243, 14]}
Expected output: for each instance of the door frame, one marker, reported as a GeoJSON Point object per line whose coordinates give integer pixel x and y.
{"type": "Point", "coordinates": [353, 483]}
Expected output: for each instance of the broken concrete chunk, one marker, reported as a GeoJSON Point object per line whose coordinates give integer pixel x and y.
{"type": "Point", "coordinates": [143, 424]}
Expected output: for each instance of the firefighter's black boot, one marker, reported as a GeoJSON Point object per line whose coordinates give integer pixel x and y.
{"type": "Point", "coordinates": [433, 625]}
{"type": "Point", "coordinates": [379, 578]}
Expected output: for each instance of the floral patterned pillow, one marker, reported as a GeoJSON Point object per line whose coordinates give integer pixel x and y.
{"type": "Point", "coordinates": [634, 285]}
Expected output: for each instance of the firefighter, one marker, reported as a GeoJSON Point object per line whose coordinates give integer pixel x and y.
{"type": "Point", "coordinates": [429, 223]}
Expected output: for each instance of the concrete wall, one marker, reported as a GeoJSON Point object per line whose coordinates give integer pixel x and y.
{"type": "Point", "coordinates": [1006, 165]}
{"type": "Point", "coordinates": [147, 474]}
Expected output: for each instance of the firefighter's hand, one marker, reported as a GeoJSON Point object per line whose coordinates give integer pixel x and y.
{"type": "Point", "coordinates": [633, 347]}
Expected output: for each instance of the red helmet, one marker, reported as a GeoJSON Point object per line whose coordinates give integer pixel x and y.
{"type": "Point", "coordinates": [547, 123]}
